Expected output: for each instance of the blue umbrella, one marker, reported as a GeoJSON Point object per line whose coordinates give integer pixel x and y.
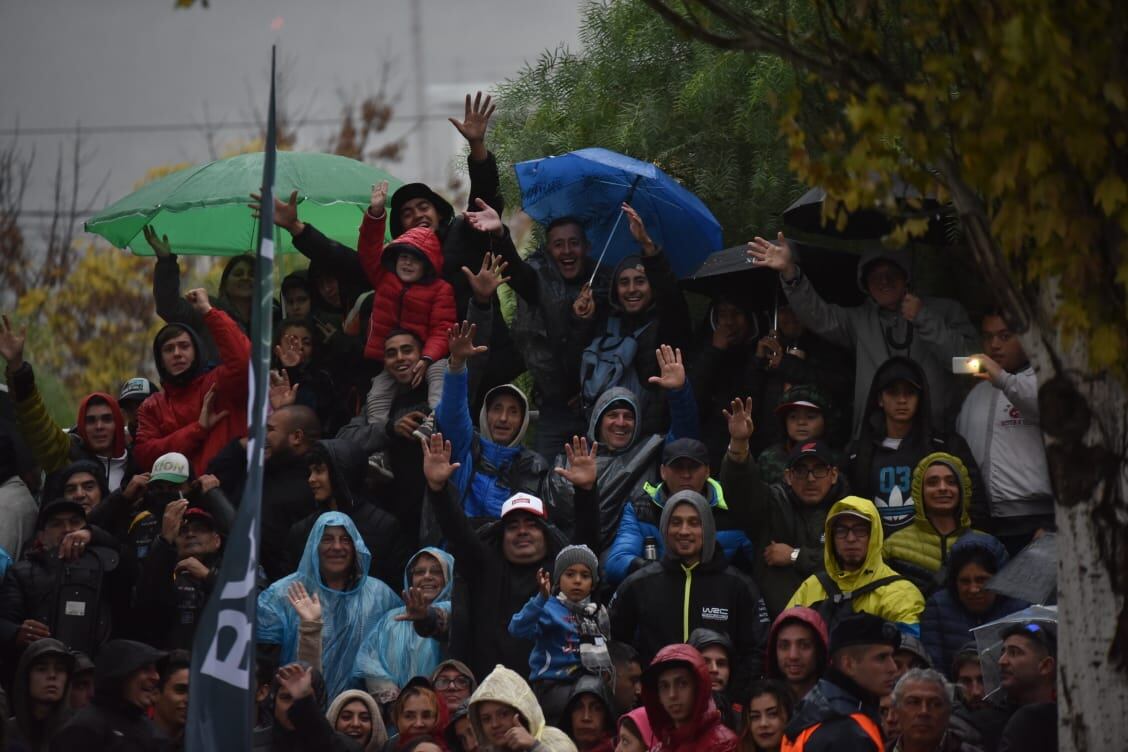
{"type": "Point", "coordinates": [592, 184]}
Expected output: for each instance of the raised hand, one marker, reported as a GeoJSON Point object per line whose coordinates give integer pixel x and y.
{"type": "Point", "coordinates": [518, 739]}
{"type": "Point", "coordinates": [990, 369]}
{"type": "Point", "coordinates": [159, 244]}
{"type": "Point", "coordinates": [289, 350]}
{"type": "Point", "coordinates": [911, 306]}
{"type": "Point", "coordinates": [486, 219]}
{"type": "Point", "coordinates": [31, 630]}
{"type": "Point", "coordinates": [296, 679]}
{"type": "Point", "coordinates": [544, 582]}
{"type": "Point", "coordinates": [12, 344]}
{"type": "Point", "coordinates": [490, 277]}
{"type": "Point", "coordinates": [583, 307]}
{"type": "Point", "coordinates": [173, 517]}
{"type": "Point", "coordinates": [474, 123]}
{"type": "Point", "coordinates": [199, 300]}
{"type": "Point", "coordinates": [208, 418]}
{"type": "Point", "coordinates": [206, 482]}
{"type": "Point", "coordinates": [638, 231]}
{"type": "Point", "coordinates": [415, 605]}
{"type": "Point", "coordinates": [378, 200]}
{"type": "Point", "coordinates": [673, 371]}
{"type": "Point", "coordinates": [407, 424]}
{"type": "Point", "coordinates": [285, 212]}
{"type": "Point", "coordinates": [770, 349]}
{"type": "Point", "coordinates": [771, 255]}
{"type": "Point", "coordinates": [580, 469]}
{"type": "Point", "coordinates": [135, 489]}
{"type": "Point", "coordinates": [281, 393]}
{"type": "Point", "coordinates": [437, 467]}
{"type": "Point", "coordinates": [307, 605]}
{"type": "Point", "coordinates": [462, 347]}
{"type": "Point", "coordinates": [740, 427]}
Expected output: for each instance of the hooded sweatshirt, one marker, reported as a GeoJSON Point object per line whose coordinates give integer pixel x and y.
{"type": "Point", "coordinates": [379, 733]}
{"type": "Point", "coordinates": [881, 469]}
{"type": "Point", "coordinates": [899, 601]}
{"type": "Point", "coordinates": [348, 615]}
{"type": "Point", "coordinates": [110, 722]}
{"type": "Point", "coordinates": [490, 471]}
{"type": "Point", "coordinates": [169, 421]}
{"type": "Point", "coordinates": [380, 530]}
{"type": "Point", "coordinates": [807, 617]}
{"type": "Point", "coordinates": [663, 602]}
{"type": "Point", "coordinates": [24, 732]}
{"type": "Point", "coordinates": [425, 307]}
{"type": "Point", "coordinates": [704, 731]}
{"type": "Point", "coordinates": [623, 473]}
{"type": "Point", "coordinates": [920, 551]}
{"type": "Point", "coordinates": [642, 723]}
{"type": "Point", "coordinates": [939, 332]}
{"type": "Point", "coordinates": [393, 652]}
{"type": "Point", "coordinates": [596, 687]}
{"type": "Point", "coordinates": [508, 688]}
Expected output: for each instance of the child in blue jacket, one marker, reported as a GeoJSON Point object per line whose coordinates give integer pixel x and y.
{"type": "Point", "coordinates": [569, 630]}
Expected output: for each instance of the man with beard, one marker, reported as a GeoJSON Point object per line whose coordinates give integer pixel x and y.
{"type": "Point", "coordinates": [125, 687]}
{"type": "Point", "coordinates": [798, 650]}
{"type": "Point", "coordinates": [290, 433]}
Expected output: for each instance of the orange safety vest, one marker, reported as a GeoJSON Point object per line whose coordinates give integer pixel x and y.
{"type": "Point", "coordinates": [861, 719]}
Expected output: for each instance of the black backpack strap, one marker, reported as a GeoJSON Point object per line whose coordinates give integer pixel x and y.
{"type": "Point", "coordinates": [869, 587]}
{"type": "Point", "coordinates": [833, 592]}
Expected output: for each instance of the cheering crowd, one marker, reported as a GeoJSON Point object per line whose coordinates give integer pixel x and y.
{"type": "Point", "coordinates": [669, 535]}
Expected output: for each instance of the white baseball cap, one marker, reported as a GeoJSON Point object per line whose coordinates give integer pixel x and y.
{"type": "Point", "coordinates": [172, 467]}
{"type": "Point", "coordinates": [522, 502]}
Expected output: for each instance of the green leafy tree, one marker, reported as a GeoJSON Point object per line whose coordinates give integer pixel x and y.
{"type": "Point", "coordinates": [1018, 113]}
{"type": "Point", "coordinates": [703, 115]}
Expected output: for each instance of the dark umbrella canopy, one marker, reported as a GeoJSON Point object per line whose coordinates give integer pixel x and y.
{"type": "Point", "coordinates": [869, 224]}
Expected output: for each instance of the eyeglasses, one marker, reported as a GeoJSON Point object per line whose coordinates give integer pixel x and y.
{"type": "Point", "coordinates": [859, 532]}
{"type": "Point", "coordinates": [458, 682]}
{"type": "Point", "coordinates": [433, 571]}
{"type": "Point", "coordinates": [813, 471]}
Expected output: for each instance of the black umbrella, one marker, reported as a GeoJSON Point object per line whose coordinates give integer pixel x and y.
{"type": "Point", "coordinates": [868, 224]}
{"type": "Point", "coordinates": [730, 272]}
{"type": "Point", "coordinates": [1032, 574]}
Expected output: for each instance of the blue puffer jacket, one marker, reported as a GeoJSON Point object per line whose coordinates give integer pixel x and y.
{"type": "Point", "coordinates": [634, 528]}
{"type": "Point", "coordinates": [552, 627]}
{"type": "Point", "coordinates": [490, 472]}
{"type": "Point", "coordinates": [945, 625]}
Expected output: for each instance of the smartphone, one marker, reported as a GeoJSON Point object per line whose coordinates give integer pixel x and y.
{"type": "Point", "coordinates": [966, 365]}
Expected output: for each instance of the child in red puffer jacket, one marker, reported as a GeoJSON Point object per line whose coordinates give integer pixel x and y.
{"type": "Point", "coordinates": [410, 294]}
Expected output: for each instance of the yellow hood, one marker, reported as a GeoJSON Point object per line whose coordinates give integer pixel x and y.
{"type": "Point", "coordinates": [874, 566]}
{"type": "Point", "coordinates": [508, 688]}
{"type": "Point", "coordinates": [957, 466]}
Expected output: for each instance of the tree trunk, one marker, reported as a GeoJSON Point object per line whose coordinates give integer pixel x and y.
{"type": "Point", "coordinates": [1085, 419]}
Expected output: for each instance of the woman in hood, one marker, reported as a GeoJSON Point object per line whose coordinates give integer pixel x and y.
{"type": "Point", "coordinates": [634, 732]}
{"type": "Point", "coordinates": [418, 713]}
{"type": "Point", "coordinates": [393, 653]}
{"type": "Point", "coordinates": [504, 709]}
{"type": "Point", "coordinates": [334, 566]}
{"type": "Point", "coordinates": [39, 695]}
{"type": "Point", "coordinates": [355, 714]}
{"type": "Point", "coordinates": [965, 602]}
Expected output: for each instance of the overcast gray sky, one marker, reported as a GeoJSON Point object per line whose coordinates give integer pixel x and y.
{"type": "Point", "coordinates": [107, 63]}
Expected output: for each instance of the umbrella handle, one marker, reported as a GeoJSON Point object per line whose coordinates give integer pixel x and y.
{"type": "Point", "coordinates": [611, 236]}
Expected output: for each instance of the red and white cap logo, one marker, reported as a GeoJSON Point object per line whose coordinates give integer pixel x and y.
{"type": "Point", "coordinates": [524, 503]}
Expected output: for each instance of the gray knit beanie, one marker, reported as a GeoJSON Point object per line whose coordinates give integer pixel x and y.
{"type": "Point", "coordinates": [570, 555]}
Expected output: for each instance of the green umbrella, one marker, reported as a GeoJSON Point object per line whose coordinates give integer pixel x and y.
{"type": "Point", "coordinates": [203, 209]}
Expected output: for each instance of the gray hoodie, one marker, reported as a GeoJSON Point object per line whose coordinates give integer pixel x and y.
{"type": "Point", "coordinates": [939, 332]}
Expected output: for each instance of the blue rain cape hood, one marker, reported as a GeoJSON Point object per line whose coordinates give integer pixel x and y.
{"type": "Point", "coordinates": [347, 615]}
{"type": "Point", "coordinates": [393, 651]}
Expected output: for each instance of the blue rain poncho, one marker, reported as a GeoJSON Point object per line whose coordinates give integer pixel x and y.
{"type": "Point", "coordinates": [393, 651]}
{"type": "Point", "coordinates": [347, 615]}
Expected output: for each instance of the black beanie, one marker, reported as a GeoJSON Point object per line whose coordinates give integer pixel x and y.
{"type": "Point", "coordinates": [864, 629]}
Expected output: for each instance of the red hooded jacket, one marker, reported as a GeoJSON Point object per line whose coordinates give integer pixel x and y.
{"type": "Point", "coordinates": [169, 421]}
{"type": "Point", "coordinates": [425, 307]}
{"type": "Point", "coordinates": [804, 615]}
{"type": "Point", "coordinates": [119, 422]}
{"type": "Point", "coordinates": [704, 732]}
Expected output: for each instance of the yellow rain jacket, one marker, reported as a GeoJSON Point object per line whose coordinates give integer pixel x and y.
{"type": "Point", "coordinates": [508, 688]}
{"type": "Point", "coordinates": [899, 602]}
